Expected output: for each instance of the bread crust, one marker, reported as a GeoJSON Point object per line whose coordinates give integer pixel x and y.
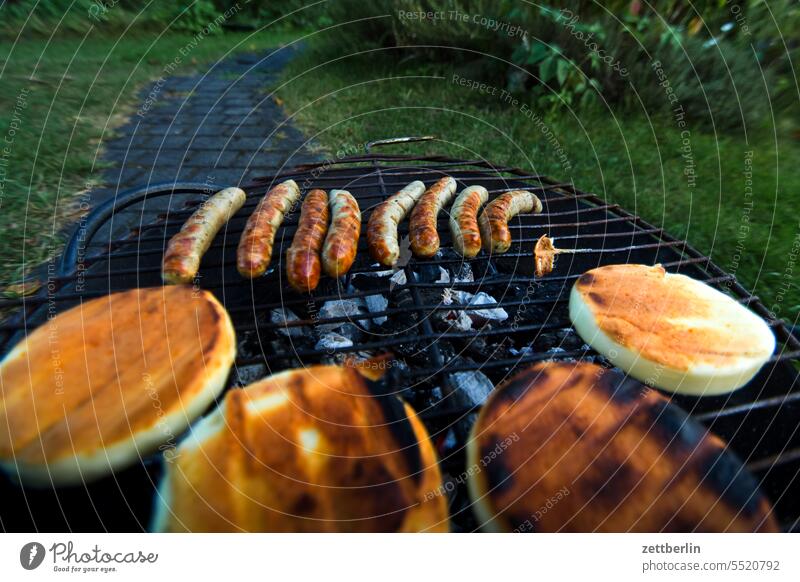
{"type": "Point", "coordinates": [306, 450]}
{"type": "Point", "coordinates": [303, 263]}
{"type": "Point", "coordinates": [669, 330]}
{"type": "Point", "coordinates": [255, 246]}
{"type": "Point", "coordinates": [587, 449]}
{"type": "Point", "coordinates": [107, 382]}
{"type": "Point", "coordinates": [185, 250]}
{"type": "Point", "coordinates": [422, 232]}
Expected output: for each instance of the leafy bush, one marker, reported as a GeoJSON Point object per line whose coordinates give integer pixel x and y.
{"type": "Point", "coordinates": [112, 16]}
{"type": "Point", "coordinates": [583, 52]}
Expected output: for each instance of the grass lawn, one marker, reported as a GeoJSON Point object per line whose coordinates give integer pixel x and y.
{"type": "Point", "coordinates": [61, 98]}
{"type": "Point", "coordinates": [732, 197]}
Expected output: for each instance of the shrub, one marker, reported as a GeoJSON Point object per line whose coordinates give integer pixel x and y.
{"type": "Point", "coordinates": [587, 52]}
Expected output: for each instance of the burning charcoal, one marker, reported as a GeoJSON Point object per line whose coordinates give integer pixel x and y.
{"type": "Point", "coordinates": [332, 341]}
{"type": "Point", "coordinates": [481, 348]}
{"type": "Point", "coordinates": [281, 317]}
{"type": "Point", "coordinates": [569, 340]}
{"type": "Point", "coordinates": [376, 304]}
{"type": "Point", "coordinates": [375, 280]}
{"type": "Point", "coordinates": [470, 388]}
{"type": "Point", "coordinates": [248, 345]}
{"type": "Point", "coordinates": [246, 375]}
{"type": "Point", "coordinates": [449, 444]}
{"type": "Point", "coordinates": [455, 320]}
{"type": "Point", "coordinates": [404, 298]}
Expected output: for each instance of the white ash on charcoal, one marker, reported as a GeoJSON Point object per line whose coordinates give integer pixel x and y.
{"type": "Point", "coordinates": [280, 317]}
{"type": "Point", "coordinates": [377, 304]}
{"type": "Point", "coordinates": [465, 390]}
{"type": "Point", "coordinates": [523, 351]}
{"type": "Point", "coordinates": [463, 274]}
{"type": "Point", "coordinates": [350, 308]}
{"type": "Point", "coordinates": [246, 375]}
{"type": "Point", "coordinates": [343, 334]}
{"type": "Point", "coordinates": [398, 279]}
{"type": "Point", "coordinates": [469, 388]}
{"type": "Point", "coordinates": [453, 320]}
{"type": "Point", "coordinates": [465, 320]}
{"type": "Point", "coordinates": [490, 314]}
{"type": "Point", "coordinates": [331, 341]}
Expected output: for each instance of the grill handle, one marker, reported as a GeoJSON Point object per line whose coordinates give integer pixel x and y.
{"type": "Point", "coordinates": [395, 140]}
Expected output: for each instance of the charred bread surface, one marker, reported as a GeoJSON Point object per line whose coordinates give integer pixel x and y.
{"type": "Point", "coordinates": [575, 447]}
{"type": "Point", "coordinates": [306, 450]}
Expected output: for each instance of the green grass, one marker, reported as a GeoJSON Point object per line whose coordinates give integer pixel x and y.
{"type": "Point", "coordinates": [634, 161]}
{"type": "Point", "coordinates": [60, 100]}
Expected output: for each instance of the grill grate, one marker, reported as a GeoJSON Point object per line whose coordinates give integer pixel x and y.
{"type": "Point", "coordinates": [120, 247]}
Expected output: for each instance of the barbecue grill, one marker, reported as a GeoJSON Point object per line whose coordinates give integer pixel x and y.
{"type": "Point", "coordinates": [120, 244]}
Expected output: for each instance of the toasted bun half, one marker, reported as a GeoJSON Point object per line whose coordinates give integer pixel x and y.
{"type": "Point", "coordinates": [575, 447]}
{"type": "Point", "coordinates": [100, 385]}
{"type": "Point", "coordinates": [306, 450]}
{"type": "Point", "coordinates": [669, 331]}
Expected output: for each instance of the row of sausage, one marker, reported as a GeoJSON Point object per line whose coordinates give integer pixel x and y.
{"type": "Point", "coordinates": [326, 239]}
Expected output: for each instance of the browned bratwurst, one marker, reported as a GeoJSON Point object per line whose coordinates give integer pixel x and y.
{"type": "Point", "coordinates": [255, 247]}
{"type": "Point", "coordinates": [341, 243]}
{"type": "Point", "coordinates": [382, 226]}
{"type": "Point", "coordinates": [422, 225]}
{"type": "Point", "coordinates": [464, 220]}
{"type": "Point", "coordinates": [186, 249]}
{"type": "Point", "coordinates": [495, 234]}
{"type": "Point", "coordinates": [303, 265]}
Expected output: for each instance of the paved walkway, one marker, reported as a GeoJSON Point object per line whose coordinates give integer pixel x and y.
{"type": "Point", "coordinates": [218, 127]}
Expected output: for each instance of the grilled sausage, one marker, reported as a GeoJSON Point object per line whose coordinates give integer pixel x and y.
{"type": "Point", "coordinates": [303, 264]}
{"type": "Point", "coordinates": [255, 247]}
{"type": "Point", "coordinates": [382, 226]}
{"type": "Point", "coordinates": [186, 249]}
{"type": "Point", "coordinates": [341, 243]}
{"type": "Point", "coordinates": [464, 220]}
{"type": "Point", "coordinates": [495, 234]}
{"type": "Point", "coordinates": [422, 226]}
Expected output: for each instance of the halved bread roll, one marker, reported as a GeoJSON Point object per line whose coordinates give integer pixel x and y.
{"type": "Point", "coordinates": [305, 450]}
{"type": "Point", "coordinates": [579, 448]}
{"type": "Point", "coordinates": [100, 385]}
{"type": "Point", "coordinates": [669, 331]}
